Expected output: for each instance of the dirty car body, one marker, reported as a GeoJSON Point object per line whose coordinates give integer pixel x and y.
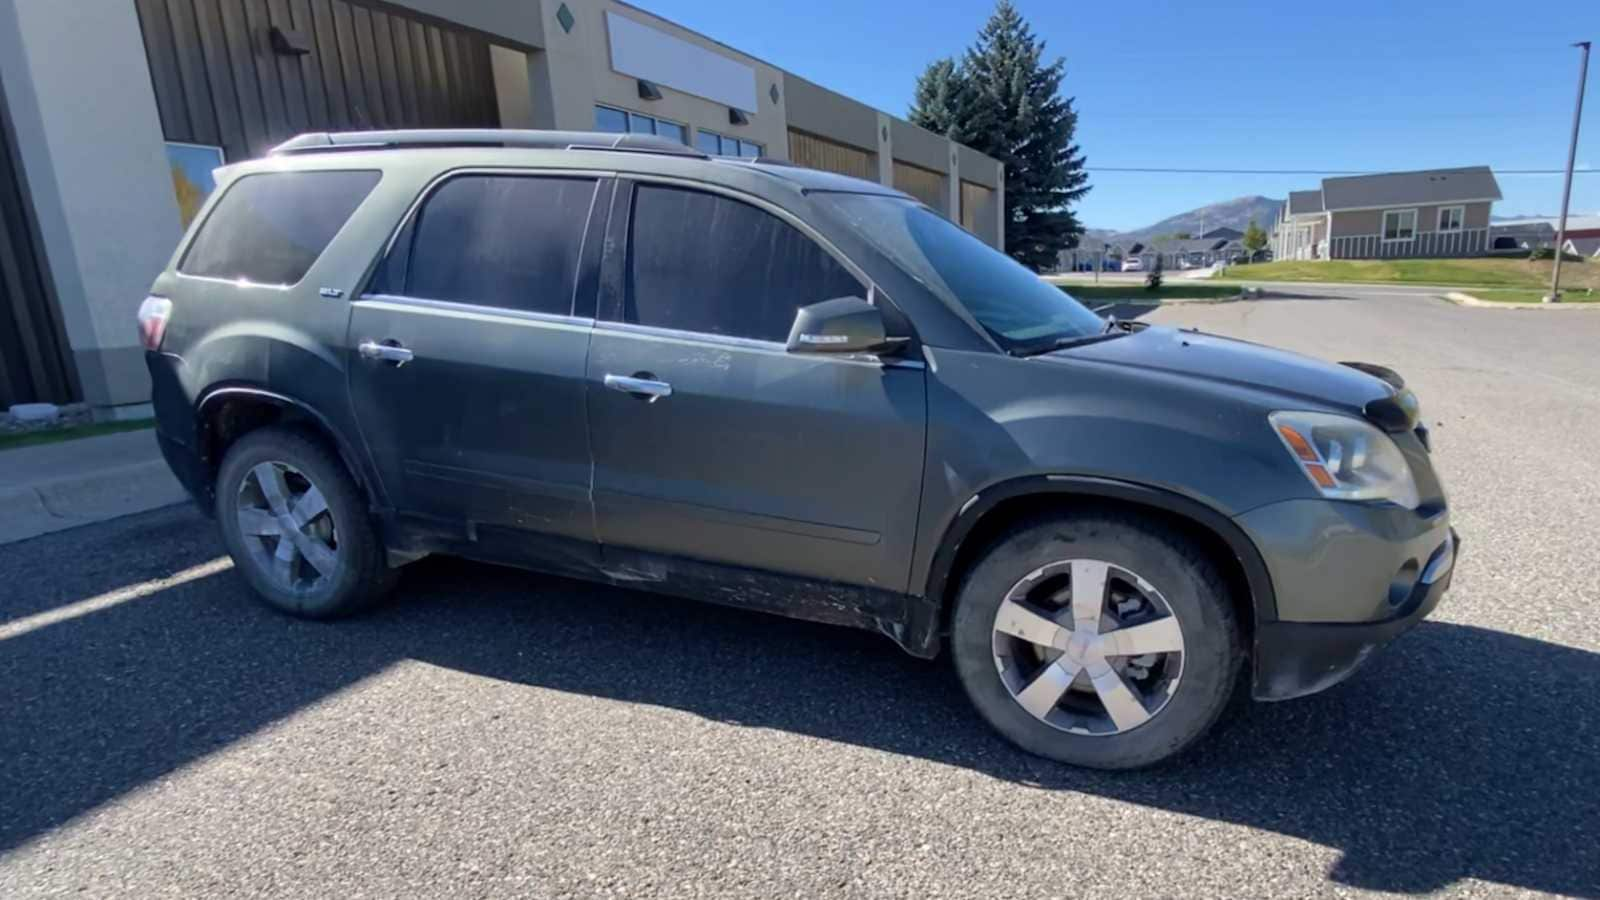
{"type": "Point", "coordinates": [589, 421]}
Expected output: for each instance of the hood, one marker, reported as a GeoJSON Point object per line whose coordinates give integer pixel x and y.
{"type": "Point", "coordinates": [1225, 361]}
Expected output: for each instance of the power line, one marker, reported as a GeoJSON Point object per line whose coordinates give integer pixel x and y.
{"type": "Point", "coordinates": [1178, 171]}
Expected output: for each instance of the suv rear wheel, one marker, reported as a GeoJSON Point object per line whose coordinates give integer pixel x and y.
{"type": "Point", "coordinates": [295, 523]}
{"type": "Point", "coordinates": [1099, 640]}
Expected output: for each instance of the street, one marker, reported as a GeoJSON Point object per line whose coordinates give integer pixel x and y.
{"type": "Point", "coordinates": [492, 732]}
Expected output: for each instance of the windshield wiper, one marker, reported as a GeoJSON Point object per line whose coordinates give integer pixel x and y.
{"type": "Point", "coordinates": [1062, 343]}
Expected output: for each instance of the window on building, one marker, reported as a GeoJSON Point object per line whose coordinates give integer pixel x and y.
{"type": "Point", "coordinates": [1399, 224]}
{"type": "Point", "coordinates": [270, 228]}
{"type": "Point", "coordinates": [1452, 218]}
{"type": "Point", "coordinates": [612, 120]}
{"type": "Point", "coordinates": [622, 121]}
{"type": "Point", "coordinates": [736, 270]}
{"type": "Point", "coordinates": [508, 241]}
{"type": "Point", "coordinates": [722, 145]}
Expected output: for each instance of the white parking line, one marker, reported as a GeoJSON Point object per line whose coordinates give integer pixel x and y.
{"type": "Point", "coordinates": [112, 598]}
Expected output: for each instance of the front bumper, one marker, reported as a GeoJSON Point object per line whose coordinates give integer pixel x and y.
{"type": "Point", "coordinates": [1294, 659]}
{"type": "Point", "coordinates": [1348, 578]}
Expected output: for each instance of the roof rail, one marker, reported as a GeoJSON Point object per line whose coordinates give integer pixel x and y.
{"type": "Point", "coordinates": [334, 142]}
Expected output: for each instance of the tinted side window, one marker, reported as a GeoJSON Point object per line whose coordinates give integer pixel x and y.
{"type": "Point", "coordinates": [270, 228]}
{"type": "Point", "coordinates": [510, 241]}
{"type": "Point", "coordinates": [706, 263]}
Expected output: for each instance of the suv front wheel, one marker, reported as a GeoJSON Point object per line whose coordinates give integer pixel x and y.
{"type": "Point", "coordinates": [1102, 640]}
{"type": "Point", "coordinates": [296, 525]}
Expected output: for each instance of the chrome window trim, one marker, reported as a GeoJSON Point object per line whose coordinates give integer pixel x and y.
{"type": "Point", "coordinates": [241, 283]}
{"type": "Point", "coordinates": [401, 303]}
{"type": "Point", "coordinates": [776, 348]}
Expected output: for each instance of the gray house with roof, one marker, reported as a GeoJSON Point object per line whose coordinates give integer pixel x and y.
{"type": "Point", "coordinates": [1393, 215]}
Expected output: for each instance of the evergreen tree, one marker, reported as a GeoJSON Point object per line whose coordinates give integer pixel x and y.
{"type": "Point", "coordinates": [943, 101]}
{"type": "Point", "coordinates": [1003, 100]}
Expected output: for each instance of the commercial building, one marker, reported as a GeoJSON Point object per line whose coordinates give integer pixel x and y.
{"type": "Point", "coordinates": [114, 113]}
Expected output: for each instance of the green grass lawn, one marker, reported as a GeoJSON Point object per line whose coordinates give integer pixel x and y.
{"type": "Point", "coordinates": [1187, 290]}
{"type": "Point", "coordinates": [1534, 296]}
{"type": "Point", "coordinates": [1507, 273]}
{"type": "Point", "coordinates": [54, 435]}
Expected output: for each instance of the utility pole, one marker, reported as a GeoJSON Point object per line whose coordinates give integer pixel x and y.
{"type": "Point", "coordinates": [1566, 191]}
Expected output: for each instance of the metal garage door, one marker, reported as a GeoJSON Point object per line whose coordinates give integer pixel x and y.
{"type": "Point", "coordinates": [33, 363]}
{"type": "Point", "coordinates": [223, 78]}
{"type": "Point", "coordinates": [924, 184]}
{"type": "Point", "coordinates": [831, 156]}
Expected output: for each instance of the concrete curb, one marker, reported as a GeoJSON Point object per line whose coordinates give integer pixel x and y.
{"type": "Point", "coordinates": [107, 493]}
{"type": "Point", "coordinates": [1463, 299]}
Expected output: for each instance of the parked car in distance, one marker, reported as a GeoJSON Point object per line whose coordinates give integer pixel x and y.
{"type": "Point", "coordinates": [1133, 264]}
{"type": "Point", "coordinates": [617, 359]}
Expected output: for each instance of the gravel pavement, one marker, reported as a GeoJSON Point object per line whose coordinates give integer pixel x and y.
{"type": "Point", "coordinates": [495, 733]}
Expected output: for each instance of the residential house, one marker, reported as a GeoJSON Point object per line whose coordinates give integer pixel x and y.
{"type": "Point", "coordinates": [1178, 253]}
{"type": "Point", "coordinates": [1520, 236]}
{"type": "Point", "coordinates": [1301, 228]}
{"type": "Point", "coordinates": [1428, 213]}
{"type": "Point", "coordinates": [1091, 254]}
{"type": "Point", "coordinates": [1583, 246]}
{"type": "Point", "coordinates": [1540, 231]}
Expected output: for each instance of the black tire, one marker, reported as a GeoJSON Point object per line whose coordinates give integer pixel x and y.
{"type": "Point", "coordinates": [362, 573]}
{"type": "Point", "coordinates": [1187, 581]}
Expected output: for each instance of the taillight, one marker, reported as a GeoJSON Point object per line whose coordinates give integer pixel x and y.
{"type": "Point", "coordinates": [153, 315]}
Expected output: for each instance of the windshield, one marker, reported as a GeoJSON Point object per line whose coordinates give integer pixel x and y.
{"type": "Point", "coordinates": [1010, 302]}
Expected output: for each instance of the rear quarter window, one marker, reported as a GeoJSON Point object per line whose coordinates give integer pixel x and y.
{"type": "Point", "coordinates": [269, 228]}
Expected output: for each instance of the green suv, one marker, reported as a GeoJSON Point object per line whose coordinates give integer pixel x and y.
{"type": "Point", "coordinates": [614, 358]}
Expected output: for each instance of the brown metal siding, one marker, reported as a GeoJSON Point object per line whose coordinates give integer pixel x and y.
{"type": "Point", "coordinates": [218, 81]}
{"type": "Point", "coordinates": [977, 203]}
{"type": "Point", "coordinates": [924, 184]}
{"type": "Point", "coordinates": [831, 156]}
{"type": "Point", "coordinates": [33, 360]}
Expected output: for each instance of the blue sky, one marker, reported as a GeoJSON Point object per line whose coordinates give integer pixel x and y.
{"type": "Point", "coordinates": [1398, 84]}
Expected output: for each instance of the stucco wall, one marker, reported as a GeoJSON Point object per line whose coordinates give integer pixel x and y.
{"type": "Point", "coordinates": [820, 111]}
{"type": "Point", "coordinates": [91, 146]}
{"type": "Point", "coordinates": [574, 72]}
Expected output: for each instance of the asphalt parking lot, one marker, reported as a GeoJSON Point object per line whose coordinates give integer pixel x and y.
{"type": "Point", "coordinates": [498, 733]}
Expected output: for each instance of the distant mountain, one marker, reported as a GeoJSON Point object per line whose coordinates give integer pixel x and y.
{"type": "Point", "coordinates": [1235, 214]}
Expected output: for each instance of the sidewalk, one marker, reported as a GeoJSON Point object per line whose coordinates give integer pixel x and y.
{"type": "Point", "coordinates": [55, 486]}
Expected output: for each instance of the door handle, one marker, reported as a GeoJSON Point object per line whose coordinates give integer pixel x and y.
{"type": "Point", "coordinates": [389, 351]}
{"type": "Point", "coordinates": [640, 386]}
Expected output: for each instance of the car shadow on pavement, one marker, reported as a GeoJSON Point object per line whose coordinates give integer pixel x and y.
{"type": "Point", "coordinates": [1460, 752]}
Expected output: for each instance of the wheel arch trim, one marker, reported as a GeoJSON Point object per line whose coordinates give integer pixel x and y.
{"type": "Point", "coordinates": [1263, 599]}
{"type": "Point", "coordinates": [212, 397]}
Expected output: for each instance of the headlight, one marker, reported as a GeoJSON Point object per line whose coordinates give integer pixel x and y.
{"type": "Point", "coordinates": [1345, 458]}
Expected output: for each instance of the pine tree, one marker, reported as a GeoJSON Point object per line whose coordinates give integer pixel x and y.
{"type": "Point", "coordinates": [1003, 100]}
{"type": "Point", "coordinates": [942, 102]}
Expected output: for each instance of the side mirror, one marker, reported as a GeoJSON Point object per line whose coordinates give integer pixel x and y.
{"type": "Point", "coordinates": [842, 325]}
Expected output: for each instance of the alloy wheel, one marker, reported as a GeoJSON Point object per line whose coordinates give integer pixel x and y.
{"type": "Point", "coordinates": [1088, 647]}
{"type": "Point", "coordinates": [287, 527]}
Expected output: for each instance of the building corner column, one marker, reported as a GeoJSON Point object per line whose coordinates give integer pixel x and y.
{"type": "Point", "coordinates": [952, 194]}
{"type": "Point", "coordinates": [1000, 206]}
{"type": "Point", "coordinates": [885, 151]}
{"type": "Point", "coordinates": [107, 215]}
